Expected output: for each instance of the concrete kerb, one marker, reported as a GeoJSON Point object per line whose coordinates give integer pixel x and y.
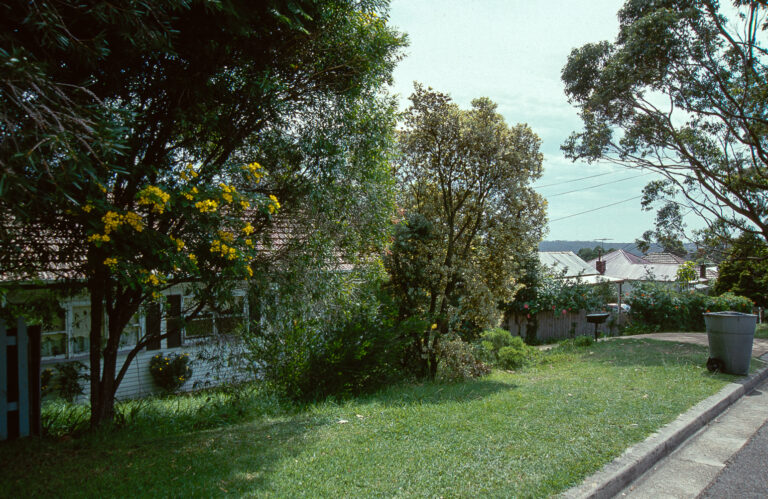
{"type": "Point", "coordinates": [639, 458]}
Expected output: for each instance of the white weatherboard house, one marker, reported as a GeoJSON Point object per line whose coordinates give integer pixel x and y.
{"type": "Point", "coordinates": [66, 339]}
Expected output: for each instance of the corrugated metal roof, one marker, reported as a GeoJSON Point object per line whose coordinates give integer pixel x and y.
{"type": "Point", "coordinates": [624, 265]}
{"type": "Point", "coordinates": [568, 261]}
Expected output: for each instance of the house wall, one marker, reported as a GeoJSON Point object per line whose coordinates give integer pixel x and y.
{"type": "Point", "coordinates": [208, 353]}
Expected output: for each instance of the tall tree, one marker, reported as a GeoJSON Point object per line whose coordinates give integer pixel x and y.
{"type": "Point", "coordinates": [745, 270]}
{"type": "Point", "coordinates": [471, 214]}
{"type": "Point", "coordinates": [682, 91]}
{"type": "Point", "coordinates": [132, 135]}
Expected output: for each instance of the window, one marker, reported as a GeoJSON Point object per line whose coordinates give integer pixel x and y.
{"type": "Point", "coordinates": [207, 322]}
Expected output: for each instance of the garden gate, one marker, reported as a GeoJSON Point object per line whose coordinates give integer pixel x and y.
{"type": "Point", "coordinates": [19, 380]}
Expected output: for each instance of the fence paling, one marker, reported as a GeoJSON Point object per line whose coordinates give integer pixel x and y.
{"type": "Point", "coordinates": [554, 326]}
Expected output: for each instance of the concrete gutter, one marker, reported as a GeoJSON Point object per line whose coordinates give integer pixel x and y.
{"type": "Point", "coordinates": [639, 458]}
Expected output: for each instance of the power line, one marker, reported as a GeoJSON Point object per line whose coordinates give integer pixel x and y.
{"type": "Point", "coordinates": [572, 180]}
{"type": "Point", "coordinates": [596, 185]}
{"type": "Point", "coordinates": [594, 209]}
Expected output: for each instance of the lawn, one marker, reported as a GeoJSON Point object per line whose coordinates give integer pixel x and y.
{"type": "Point", "coordinates": [531, 433]}
{"type": "Point", "coordinates": [761, 331]}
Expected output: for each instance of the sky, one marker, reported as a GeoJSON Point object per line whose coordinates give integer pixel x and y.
{"type": "Point", "coordinates": [512, 51]}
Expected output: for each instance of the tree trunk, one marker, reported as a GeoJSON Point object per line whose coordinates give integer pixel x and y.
{"type": "Point", "coordinates": [96, 290]}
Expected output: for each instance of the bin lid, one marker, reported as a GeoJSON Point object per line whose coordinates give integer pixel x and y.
{"type": "Point", "coordinates": [729, 313]}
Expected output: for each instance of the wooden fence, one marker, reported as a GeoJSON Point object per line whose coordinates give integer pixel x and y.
{"type": "Point", "coordinates": [19, 380]}
{"type": "Point", "coordinates": [554, 326]}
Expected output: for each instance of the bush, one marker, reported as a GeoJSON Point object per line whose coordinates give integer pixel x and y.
{"type": "Point", "coordinates": [517, 354]}
{"type": "Point", "coordinates": [662, 308]}
{"type": "Point", "coordinates": [458, 362]}
{"type": "Point", "coordinates": [171, 371]}
{"type": "Point", "coordinates": [583, 341]}
{"type": "Point", "coordinates": [495, 339]}
{"type": "Point", "coordinates": [64, 380]}
{"type": "Point", "coordinates": [344, 349]}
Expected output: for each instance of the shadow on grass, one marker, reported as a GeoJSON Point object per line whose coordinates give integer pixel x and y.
{"type": "Point", "coordinates": [234, 459]}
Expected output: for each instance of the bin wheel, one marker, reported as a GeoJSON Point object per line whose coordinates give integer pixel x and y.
{"type": "Point", "coordinates": [715, 365]}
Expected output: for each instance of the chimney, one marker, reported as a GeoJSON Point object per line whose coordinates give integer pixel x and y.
{"type": "Point", "coordinates": [703, 271]}
{"type": "Point", "coordinates": [600, 266]}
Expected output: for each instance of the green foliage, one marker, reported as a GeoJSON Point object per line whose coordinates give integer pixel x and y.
{"type": "Point", "coordinates": [583, 341]}
{"type": "Point", "coordinates": [345, 342]}
{"type": "Point", "coordinates": [138, 132]}
{"type": "Point", "coordinates": [507, 351]}
{"type": "Point", "coordinates": [170, 371]}
{"type": "Point", "coordinates": [64, 380]}
{"type": "Point", "coordinates": [686, 273]}
{"type": "Point", "coordinates": [745, 270]}
{"type": "Point", "coordinates": [588, 254]}
{"type": "Point", "coordinates": [661, 306]}
{"type": "Point", "coordinates": [545, 291]}
{"type": "Point", "coordinates": [706, 62]}
{"type": "Point", "coordinates": [458, 362]}
{"type": "Point", "coordinates": [471, 213]}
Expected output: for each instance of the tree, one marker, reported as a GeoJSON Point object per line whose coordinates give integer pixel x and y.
{"type": "Point", "coordinates": [471, 214]}
{"type": "Point", "coordinates": [587, 254]}
{"type": "Point", "coordinates": [745, 270]}
{"type": "Point", "coordinates": [132, 136]}
{"type": "Point", "coordinates": [682, 92]}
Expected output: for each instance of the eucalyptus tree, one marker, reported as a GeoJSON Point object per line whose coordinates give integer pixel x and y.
{"type": "Point", "coordinates": [682, 92]}
{"type": "Point", "coordinates": [132, 139]}
{"type": "Point", "coordinates": [470, 215]}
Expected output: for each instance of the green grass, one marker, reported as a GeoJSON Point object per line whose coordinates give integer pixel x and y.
{"type": "Point", "coordinates": [761, 331]}
{"type": "Point", "coordinates": [531, 433]}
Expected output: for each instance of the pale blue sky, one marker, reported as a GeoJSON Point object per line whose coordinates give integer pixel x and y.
{"type": "Point", "coordinates": [513, 51]}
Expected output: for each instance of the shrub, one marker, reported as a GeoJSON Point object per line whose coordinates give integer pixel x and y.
{"type": "Point", "coordinates": [171, 371]}
{"type": "Point", "coordinates": [495, 339]}
{"type": "Point", "coordinates": [340, 348]}
{"type": "Point", "coordinates": [64, 380]}
{"type": "Point", "coordinates": [458, 362]}
{"type": "Point", "coordinates": [506, 351]}
{"type": "Point", "coordinates": [517, 354]}
{"type": "Point", "coordinates": [662, 308]}
{"type": "Point", "coordinates": [583, 341]}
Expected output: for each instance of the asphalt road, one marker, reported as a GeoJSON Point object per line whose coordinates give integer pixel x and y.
{"type": "Point", "coordinates": [746, 474]}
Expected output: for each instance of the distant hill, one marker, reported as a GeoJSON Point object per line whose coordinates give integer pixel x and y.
{"type": "Point", "coordinates": [575, 246]}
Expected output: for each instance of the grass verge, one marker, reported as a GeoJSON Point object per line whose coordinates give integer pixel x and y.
{"type": "Point", "coordinates": [531, 433]}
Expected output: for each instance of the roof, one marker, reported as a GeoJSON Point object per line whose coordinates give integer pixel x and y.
{"type": "Point", "coordinates": [566, 261]}
{"type": "Point", "coordinates": [665, 258]}
{"type": "Point", "coordinates": [624, 265]}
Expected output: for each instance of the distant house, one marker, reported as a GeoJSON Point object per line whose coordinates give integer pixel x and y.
{"type": "Point", "coordinates": [657, 267]}
{"type": "Point", "coordinates": [570, 266]}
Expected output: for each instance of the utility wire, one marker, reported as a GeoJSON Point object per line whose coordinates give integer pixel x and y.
{"type": "Point", "coordinates": [594, 209]}
{"type": "Point", "coordinates": [596, 185]}
{"type": "Point", "coordinates": [572, 180]}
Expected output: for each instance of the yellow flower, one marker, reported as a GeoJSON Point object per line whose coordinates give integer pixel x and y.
{"type": "Point", "coordinates": [248, 229]}
{"type": "Point", "coordinates": [245, 204]}
{"type": "Point", "coordinates": [98, 238]}
{"type": "Point", "coordinates": [249, 243]}
{"type": "Point", "coordinates": [250, 271]}
{"type": "Point", "coordinates": [110, 262]}
{"type": "Point", "coordinates": [134, 220]}
{"type": "Point", "coordinates": [209, 205]}
{"type": "Point", "coordinates": [434, 326]}
{"type": "Point", "coordinates": [274, 200]}
{"type": "Point", "coordinates": [179, 243]}
{"type": "Point", "coordinates": [153, 197]}
{"type": "Point", "coordinates": [87, 208]}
